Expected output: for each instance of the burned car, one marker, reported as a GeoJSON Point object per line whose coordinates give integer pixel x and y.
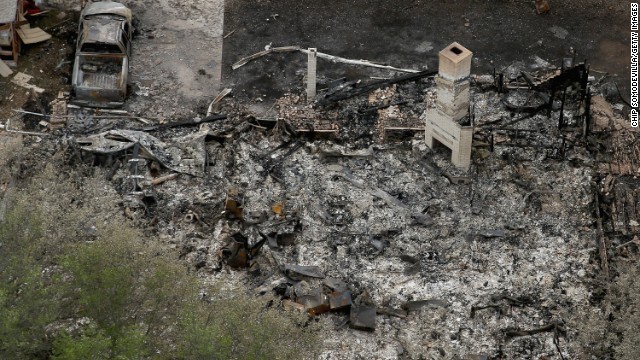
{"type": "Point", "coordinates": [103, 49]}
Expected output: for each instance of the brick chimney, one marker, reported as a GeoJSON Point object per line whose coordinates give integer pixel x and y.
{"type": "Point", "coordinates": [448, 122]}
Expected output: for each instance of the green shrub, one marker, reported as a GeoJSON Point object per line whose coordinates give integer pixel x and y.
{"type": "Point", "coordinates": [66, 254]}
{"type": "Point", "coordinates": [27, 302]}
{"type": "Point", "coordinates": [95, 346]}
{"type": "Point", "coordinates": [240, 327]}
{"type": "Point", "coordinates": [129, 293]}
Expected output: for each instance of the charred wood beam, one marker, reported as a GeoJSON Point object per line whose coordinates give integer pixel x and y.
{"type": "Point", "coordinates": [520, 301]}
{"type": "Point", "coordinates": [566, 78]}
{"type": "Point", "coordinates": [555, 327]}
{"type": "Point", "coordinates": [475, 309]}
{"type": "Point", "coordinates": [587, 119]}
{"type": "Point", "coordinates": [383, 106]}
{"type": "Point", "coordinates": [402, 314]}
{"type": "Point", "coordinates": [550, 103]}
{"type": "Point", "coordinates": [281, 146]}
{"type": "Point", "coordinates": [498, 81]}
{"type": "Point", "coordinates": [112, 171]}
{"type": "Point", "coordinates": [513, 301]}
{"type": "Point", "coordinates": [561, 123]}
{"type": "Point", "coordinates": [602, 244]}
{"type": "Point", "coordinates": [264, 123]}
{"type": "Point", "coordinates": [272, 163]}
{"type": "Point", "coordinates": [370, 87]}
{"type": "Point", "coordinates": [529, 79]}
{"type": "Point", "coordinates": [633, 241]}
{"type": "Point", "coordinates": [186, 123]}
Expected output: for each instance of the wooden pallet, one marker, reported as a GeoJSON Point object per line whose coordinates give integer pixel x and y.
{"type": "Point", "coordinates": [30, 35]}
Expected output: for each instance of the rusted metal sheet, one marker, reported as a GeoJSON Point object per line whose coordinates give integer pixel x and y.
{"type": "Point", "coordinates": [339, 300]}
{"type": "Point", "coordinates": [238, 253]}
{"type": "Point", "coordinates": [233, 204]}
{"type": "Point", "coordinates": [315, 303]}
{"type": "Point", "coordinates": [363, 317]}
{"type": "Point", "coordinates": [298, 272]}
{"type": "Point", "coordinates": [334, 284]}
{"type": "Point", "coordinates": [183, 155]}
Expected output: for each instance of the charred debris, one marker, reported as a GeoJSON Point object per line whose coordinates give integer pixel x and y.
{"type": "Point", "coordinates": [336, 205]}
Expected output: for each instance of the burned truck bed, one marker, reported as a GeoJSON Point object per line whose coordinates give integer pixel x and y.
{"type": "Point", "coordinates": [101, 66]}
{"type": "Point", "coordinates": [101, 72]}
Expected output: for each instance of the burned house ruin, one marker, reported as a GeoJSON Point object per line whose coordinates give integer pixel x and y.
{"type": "Point", "coordinates": [317, 182]}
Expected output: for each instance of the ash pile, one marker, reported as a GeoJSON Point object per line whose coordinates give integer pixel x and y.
{"type": "Point", "coordinates": [338, 208]}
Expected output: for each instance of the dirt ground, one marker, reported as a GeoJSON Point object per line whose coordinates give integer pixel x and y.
{"type": "Point", "coordinates": [409, 33]}
{"type": "Point", "coordinates": [178, 65]}
{"type": "Point", "coordinates": [50, 63]}
{"type": "Point", "coordinates": [177, 55]}
{"type": "Point", "coordinates": [175, 70]}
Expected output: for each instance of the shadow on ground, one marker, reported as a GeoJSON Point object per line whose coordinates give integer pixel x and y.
{"type": "Point", "coordinates": [410, 33]}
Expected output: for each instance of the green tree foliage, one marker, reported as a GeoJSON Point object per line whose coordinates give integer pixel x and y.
{"type": "Point", "coordinates": [78, 282]}
{"type": "Point", "coordinates": [27, 303]}
{"type": "Point", "coordinates": [241, 328]}
{"type": "Point", "coordinates": [95, 346]}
